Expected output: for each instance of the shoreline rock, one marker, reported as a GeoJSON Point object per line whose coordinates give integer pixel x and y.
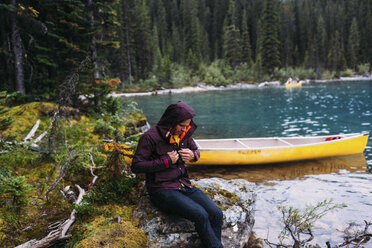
{"type": "Point", "coordinates": [203, 87]}
{"type": "Point", "coordinates": [235, 197]}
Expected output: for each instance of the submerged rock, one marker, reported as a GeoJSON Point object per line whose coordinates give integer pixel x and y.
{"type": "Point", "coordinates": [236, 199]}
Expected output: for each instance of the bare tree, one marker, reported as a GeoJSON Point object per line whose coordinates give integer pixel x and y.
{"type": "Point", "coordinates": [18, 52]}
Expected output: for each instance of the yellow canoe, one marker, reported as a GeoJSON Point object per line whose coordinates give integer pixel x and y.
{"type": "Point", "coordinates": [292, 85]}
{"type": "Point", "coordinates": [275, 150]}
{"type": "Point", "coordinates": [244, 151]}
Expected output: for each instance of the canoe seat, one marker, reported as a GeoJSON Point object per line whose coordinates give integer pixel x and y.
{"type": "Point", "coordinates": [285, 142]}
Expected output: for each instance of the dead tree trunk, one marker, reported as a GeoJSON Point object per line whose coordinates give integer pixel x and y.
{"type": "Point", "coordinates": [18, 53]}
{"type": "Point", "coordinates": [93, 46]}
{"type": "Point", "coordinates": [125, 11]}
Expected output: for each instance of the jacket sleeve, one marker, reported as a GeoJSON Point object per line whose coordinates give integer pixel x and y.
{"type": "Point", "coordinates": [142, 161]}
{"type": "Point", "coordinates": [194, 148]}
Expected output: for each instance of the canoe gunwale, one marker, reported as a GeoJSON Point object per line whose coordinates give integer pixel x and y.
{"type": "Point", "coordinates": [286, 145]}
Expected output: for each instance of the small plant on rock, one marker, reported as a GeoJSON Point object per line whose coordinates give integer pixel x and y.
{"type": "Point", "coordinates": [298, 225]}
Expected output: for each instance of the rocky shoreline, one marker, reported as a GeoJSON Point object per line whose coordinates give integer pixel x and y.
{"type": "Point", "coordinates": [203, 87]}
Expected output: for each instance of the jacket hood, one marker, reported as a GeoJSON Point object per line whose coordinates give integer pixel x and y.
{"type": "Point", "coordinates": [175, 114]}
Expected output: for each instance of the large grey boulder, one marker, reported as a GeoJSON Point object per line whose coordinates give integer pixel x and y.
{"type": "Point", "coordinates": [236, 198]}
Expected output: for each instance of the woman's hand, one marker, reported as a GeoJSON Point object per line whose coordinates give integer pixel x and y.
{"type": "Point", "coordinates": [187, 155]}
{"type": "Point", "coordinates": [174, 156]}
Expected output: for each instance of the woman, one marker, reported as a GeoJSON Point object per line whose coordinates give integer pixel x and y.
{"type": "Point", "coordinates": [161, 153]}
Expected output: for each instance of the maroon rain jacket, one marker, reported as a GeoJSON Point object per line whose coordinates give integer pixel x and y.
{"type": "Point", "coordinates": [151, 155]}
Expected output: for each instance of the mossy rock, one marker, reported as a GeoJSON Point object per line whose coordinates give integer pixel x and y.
{"type": "Point", "coordinates": [166, 231]}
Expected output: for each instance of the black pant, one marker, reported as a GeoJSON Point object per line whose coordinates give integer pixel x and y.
{"type": "Point", "coordinates": [194, 205]}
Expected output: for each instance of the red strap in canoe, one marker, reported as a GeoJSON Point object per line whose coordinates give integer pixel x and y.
{"type": "Point", "coordinates": [333, 138]}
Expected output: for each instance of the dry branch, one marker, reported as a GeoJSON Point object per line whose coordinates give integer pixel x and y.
{"type": "Point", "coordinates": [32, 132]}
{"type": "Point", "coordinates": [60, 233]}
{"type": "Point", "coordinates": [61, 228]}
{"type": "Point", "coordinates": [38, 139]}
{"type": "Point", "coordinates": [355, 237]}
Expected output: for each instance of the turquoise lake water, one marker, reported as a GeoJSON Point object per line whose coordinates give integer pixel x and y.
{"type": "Point", "coordinates": [313, 109]}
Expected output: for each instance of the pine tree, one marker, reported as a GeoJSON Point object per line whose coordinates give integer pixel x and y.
{"type": "Point", "coordinates": [161, 23]}
{"type": "Point", "coordinates": [288, 33]}
{"type": "Point", "coordinates": [364, 22]}
{"type": "Point", "coordinates": [142, 37]}
{"type": "Point", "coordinates": [4, 122]}
{"type": "Point", "coordinates": [6, 57]}
{"type": "Point", "coordinates": [126, 41]}
{"type": "Point", "coordinates": [353, 44]}
{"type": "Point", "coordinates": [20, 25]}
{"type": "Point", "coordinates": [191, 40]}
{"type": "Point", "coordinates": [246, 46]}
{"type": "Point", "coordinates": [203, 42]}
{"type": "Point", "coordinates": [336, 56]}
{"type": "Point", "coordinates": [67, 43]}
{"type": "Point", "coordinates": [104, 39]}
{"type": "Point", "coordinates": [177, 54]}
{"type": "Point", "coordinates": [258, 67]}
{"type": "Point", "coordinates": [219, 10]}
{"type": "Point", "coordinates": [270, 37]}
{"type": "Point", "coordinates": [232, 44]}
{"type": "Point", "coordinates": [321, 41]}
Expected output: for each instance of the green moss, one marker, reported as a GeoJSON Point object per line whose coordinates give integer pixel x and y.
{"type": "Point", "coordinates": [2, 233]}
{"type": "Point", "coordinates": [231, 197]}
{"type": "Point", "coordinates": [103, 229]}
{"type": "Point", "coordinates": [41, 169]}
{"type": "Point", "coordinates": [228, 195]}
{"type": "Point", "coordinates": [25, 117]}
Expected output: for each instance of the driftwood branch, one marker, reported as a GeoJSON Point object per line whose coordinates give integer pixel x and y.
{"type": "Point", "coordinates": [60, 231]}
{"type": "Point", "coordinates": [32, 132]}
{"type": "Point", "coordinates": [356, 237]}
{"type": "Point", "coordinates": [38, 139]}
{"type": "Point", "coordinates": [61, 228]}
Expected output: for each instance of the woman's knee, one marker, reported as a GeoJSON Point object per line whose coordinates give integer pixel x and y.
{"type": "Point", "coordinates": [217, 215]}
{"type": "Point", "coordinates": [200, 216]}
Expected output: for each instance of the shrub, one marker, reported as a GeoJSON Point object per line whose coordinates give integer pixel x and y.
{"type": "Point", "coordinates": [298, 224]}
{"type": "Point", "coordinates": [5, 122]}
{"type": "Point", "coordinates": [327, 75]}
{"type": "Point", "coordinates": [112, 189]}
{"type": "Point", "coordinates": [283, 74]}
{"type": "Point", "coordinates": [116, 121]}
{"type": "Point", "coordinates": [103, 128]}
{"type": "Point", "coordinates": [303, 73]}
{"type": "Point", "coordinates": [84, 209]}
{"type": "Point", "coordinates": [243, 72]}
{"type": "Point", "coordinates": [347, 73]}
{"type": "Point", "coordinates": [363, 69]}
{"type": "Point", "coordinates": [112, 105]}
{"type": "Point", "coordinates": [181, 76]}
{"type": "Point", "coordinates": [214, 74]}
{"type": "Point", "coordinates": [13, 189]}
{"type": "Point", "coordinates": [150, 84]}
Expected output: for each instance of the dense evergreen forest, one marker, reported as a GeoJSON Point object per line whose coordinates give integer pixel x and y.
{"type": "Point", "coordinates": [150, 44]}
